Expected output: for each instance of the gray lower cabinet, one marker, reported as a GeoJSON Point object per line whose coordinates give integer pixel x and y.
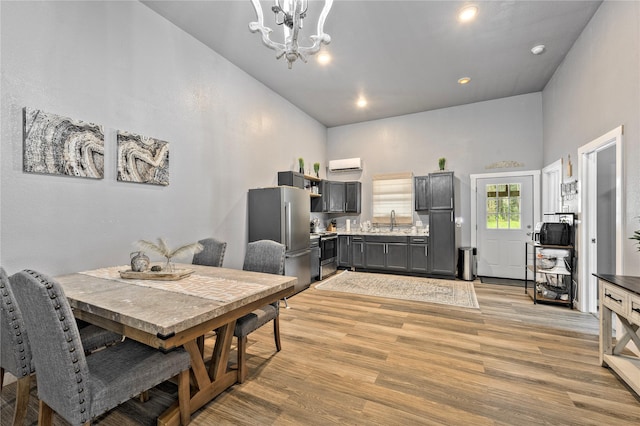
{"type": "Point", "coordinates": [344, 251]}
{"type": "Point", "coordinates": [442, 238]}
{"type": "Point", "coordinates": [388, 253]}
{"type": "Point", "coordinates": [419, 255]}
{"type": "Point", "coordinates": [357, 251]}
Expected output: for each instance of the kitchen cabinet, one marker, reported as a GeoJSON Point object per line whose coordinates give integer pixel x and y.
{"type": "Point", "coordinates": [386, 252]}
{"type": "Point", "coordinates": [335, 195]}
{"type": "Point", "coordinates": [442, 238]}
{"type": "Point", "coordinates": [434, 192]}
{"type": "Point", "coordinates": [357, 251]}
{"type": "Point", "coordinates": [418, 254]}
{"type": "Point", "coordinates": [344, 251]}
{"type": "Point", "coordinates": [338, 197]}
{"type": "Point", "coordinates": [302, 181]}
{"type": "Point", "coordinates": [441, 191]}
{"type": "Point", "coordinates": [421, 184]}
{"type": "Point", "coordinates": [353, 195]}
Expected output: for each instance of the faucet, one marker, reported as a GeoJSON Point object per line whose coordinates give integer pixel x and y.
{"type": "Point", "coordinates": [393, 220]}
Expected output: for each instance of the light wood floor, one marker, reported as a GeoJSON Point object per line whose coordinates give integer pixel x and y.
{"type": "Point", "coordinates": [350, 359]}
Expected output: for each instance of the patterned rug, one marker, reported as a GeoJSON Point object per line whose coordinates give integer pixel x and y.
{"type": "Point", "coordinates": [446, 292]}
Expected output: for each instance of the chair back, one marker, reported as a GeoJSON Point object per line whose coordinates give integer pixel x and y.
{"type": "Point", "coordinates": [55, 343]}
{"type": "Point", "coordinates": [265, 256]}
{"type": "Point", "coordinates": [15, 352]}
{"type": "Point", "coordinates": [212, 253]}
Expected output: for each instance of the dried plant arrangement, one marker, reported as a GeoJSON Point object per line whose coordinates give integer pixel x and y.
{"type": "Point", "coordinates": [163, 249]}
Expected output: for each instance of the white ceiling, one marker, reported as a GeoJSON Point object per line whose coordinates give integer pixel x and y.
{"type": "Point", "coordinates": [403, 56]}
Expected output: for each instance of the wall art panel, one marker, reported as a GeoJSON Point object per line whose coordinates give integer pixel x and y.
{"type": "Point", "coordinates": [142, 159]}
{"type": "Point", "coordinates": [59, 145]}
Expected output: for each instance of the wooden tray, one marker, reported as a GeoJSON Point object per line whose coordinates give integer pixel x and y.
{"type": "Point", "coordinates": [177, 274]}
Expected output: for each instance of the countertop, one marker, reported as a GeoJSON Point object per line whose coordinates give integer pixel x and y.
{"type": "Point", "coordinates": [385, 233]}
{"type": "Point", "coordinates": [625, 281]}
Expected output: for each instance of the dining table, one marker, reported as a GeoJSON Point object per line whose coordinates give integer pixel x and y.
{"type": "Point", "coordinates": [168, 314]}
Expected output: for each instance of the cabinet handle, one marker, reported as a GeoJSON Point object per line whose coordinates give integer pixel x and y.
{"type": "Point", "coordinates": [451, 202]}
{"type": "Point", "coordinates": [636, 310]}
{"type": "Point", "coordinates": [451, 214]}
{"type": "Point", "coordinates": [612, 298]}
{"type": "Point", "coordinates": [426, 251]}
{"type": "Point", "coordinates": [418, 240]}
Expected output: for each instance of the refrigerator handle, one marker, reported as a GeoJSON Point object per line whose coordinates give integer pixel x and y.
{"type": "Point", "coordinates": [287, 225]}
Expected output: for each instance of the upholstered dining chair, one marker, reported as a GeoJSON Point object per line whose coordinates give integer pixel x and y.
{"type": "Point", "coordinates": [212, 253]}
{"type": "Point", "coordinates": [78, 387]}
{"type": "Point", "coordinates": [262, 256]}
{"type": "Point", "coordinates": [15, 352]}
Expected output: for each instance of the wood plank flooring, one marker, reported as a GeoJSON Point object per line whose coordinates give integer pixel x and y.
{"type": "Point", "coordinates": [349, 359]}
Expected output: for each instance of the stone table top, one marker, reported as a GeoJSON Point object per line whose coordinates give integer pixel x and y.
{"type": "Point", "coordinates": [163, 308]}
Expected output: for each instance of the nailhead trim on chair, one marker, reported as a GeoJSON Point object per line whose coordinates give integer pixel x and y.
{"type": "Point", "coordinates": [65, 327]}
{"type": "Point", "coordinates": [24, 366]}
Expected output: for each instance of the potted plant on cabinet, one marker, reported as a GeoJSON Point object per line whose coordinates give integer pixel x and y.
{"type": "Point", "coordinates": [316, 168]}
{"type": "Point", "coordinates": [301, 164]}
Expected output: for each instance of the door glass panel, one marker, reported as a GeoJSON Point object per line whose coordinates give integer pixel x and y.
{"type": "Point", "coordinates": [503, 206]}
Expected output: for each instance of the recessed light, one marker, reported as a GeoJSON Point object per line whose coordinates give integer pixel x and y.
{"type": "Point", "coordinates": [538, 50]}
{"type": "Point", "coordinates": [464, 80]}
{"type": "Point", "coordinates": [324, 57]}
{"type": "Point", "coordinates": [362, 102]}
{"type": "Point", "coordinates": [467, 13]}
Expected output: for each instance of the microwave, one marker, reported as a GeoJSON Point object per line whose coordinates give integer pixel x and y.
{"type": "Point", "coordinates": [556, 234]}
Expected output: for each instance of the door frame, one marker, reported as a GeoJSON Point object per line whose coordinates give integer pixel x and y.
{"type": "Point", "coordinates": [587, 211]}
{"type": "Point", "coordinates": [551, 179]}
{"type": "Point", "coordinates": [535, 175]}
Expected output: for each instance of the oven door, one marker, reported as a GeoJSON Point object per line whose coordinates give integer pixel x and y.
{"type": "Point", "coordinates": [328, 249]}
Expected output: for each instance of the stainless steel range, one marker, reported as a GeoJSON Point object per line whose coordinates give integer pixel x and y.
{"type": "Point", "coordinates": [328, 254]}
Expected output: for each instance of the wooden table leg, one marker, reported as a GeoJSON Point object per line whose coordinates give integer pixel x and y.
{"type": "Point", "coordinates": [210, 383]}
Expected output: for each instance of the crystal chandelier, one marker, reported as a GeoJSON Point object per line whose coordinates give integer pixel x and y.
{"type": "Point", "coordinates": [290, 14]}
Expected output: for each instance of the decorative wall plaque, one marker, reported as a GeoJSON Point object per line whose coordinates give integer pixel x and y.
{"type": "Point", "coordinates": [59, 145]}
{"type": "Point", "coordinates": [142, 159]}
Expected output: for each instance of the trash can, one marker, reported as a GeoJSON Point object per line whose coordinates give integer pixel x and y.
{"type": "Point", "coordinates": [467, 263]}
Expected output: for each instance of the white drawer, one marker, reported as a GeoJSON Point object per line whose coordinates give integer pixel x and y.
{"type": "Point", "coordinates": [634, 309]}
{"type": "Point", "coordinates": [615, 299]}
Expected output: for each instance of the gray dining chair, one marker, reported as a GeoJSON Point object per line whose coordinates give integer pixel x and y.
{"type": "Point", "coordinates": [15, 352]}
{"type": "Point", "coordinates": [78, 387]}
{"type": "Point", "coordinates": [262, 256]}
{"type": "Point", "coordinates": [212, 253]}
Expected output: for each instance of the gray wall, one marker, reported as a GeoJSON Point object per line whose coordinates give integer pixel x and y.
{"type": "Point", "coordinates": [596, 89]}
{"type": "Point", "coordinates": [471, 137]}
{"type": "Point", "coordinates": [123, 66]}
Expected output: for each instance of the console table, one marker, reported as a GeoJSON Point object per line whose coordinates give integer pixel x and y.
{"type": "Point", "coordinates": [620, 294]}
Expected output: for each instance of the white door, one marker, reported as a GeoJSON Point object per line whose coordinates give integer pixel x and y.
{"type": "Point", "coordinates": [504, 223]}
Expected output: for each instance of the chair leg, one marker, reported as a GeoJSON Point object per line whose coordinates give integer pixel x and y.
{"type": "Point", "coordinates": [45, 415]}
{"type": "Point", "coordinates": [22, 400]}
{"type": "Point", "coordinates": [1, 378]}
{"type": "Point", "coordinates": [184, 397]}
{"type": "Point", "coordinates": [286, 304]}
{"type": "Point", "coordinates": [276, 332]}
{"type": "Point", "coordinates": [144, 396]}
{"type": "Point", "coordinates": [242, 361]}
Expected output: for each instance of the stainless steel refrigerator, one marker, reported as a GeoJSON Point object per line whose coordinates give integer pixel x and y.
{"type": "Point", "coordinates": [282, 214]}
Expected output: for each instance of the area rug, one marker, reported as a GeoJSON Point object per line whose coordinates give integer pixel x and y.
{"type": "Point", "coordinates": [446, 292]}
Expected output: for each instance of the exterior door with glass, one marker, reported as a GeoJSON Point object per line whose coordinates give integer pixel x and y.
{"type": "Point", "coordinates": [504, 224]}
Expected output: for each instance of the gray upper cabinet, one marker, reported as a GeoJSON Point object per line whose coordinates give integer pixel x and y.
{"type": "Point", "coordinates": [291, 179]}
{"type": "Point", "coordinates": [421, 184]}
{"type": "Point", "coordinates": [338, 197]}
{"type": "Point", "coordinates": [353, 195]}
{"type": "Point", "coordinates": [441, 191]}
{"type": "Point", "coordinates": [434, 192]}
{"type": "Point", "coordinates": [335, 195]}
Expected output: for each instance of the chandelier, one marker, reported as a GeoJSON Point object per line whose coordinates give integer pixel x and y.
{"type": "Point", "coordinates": [290, 14]}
